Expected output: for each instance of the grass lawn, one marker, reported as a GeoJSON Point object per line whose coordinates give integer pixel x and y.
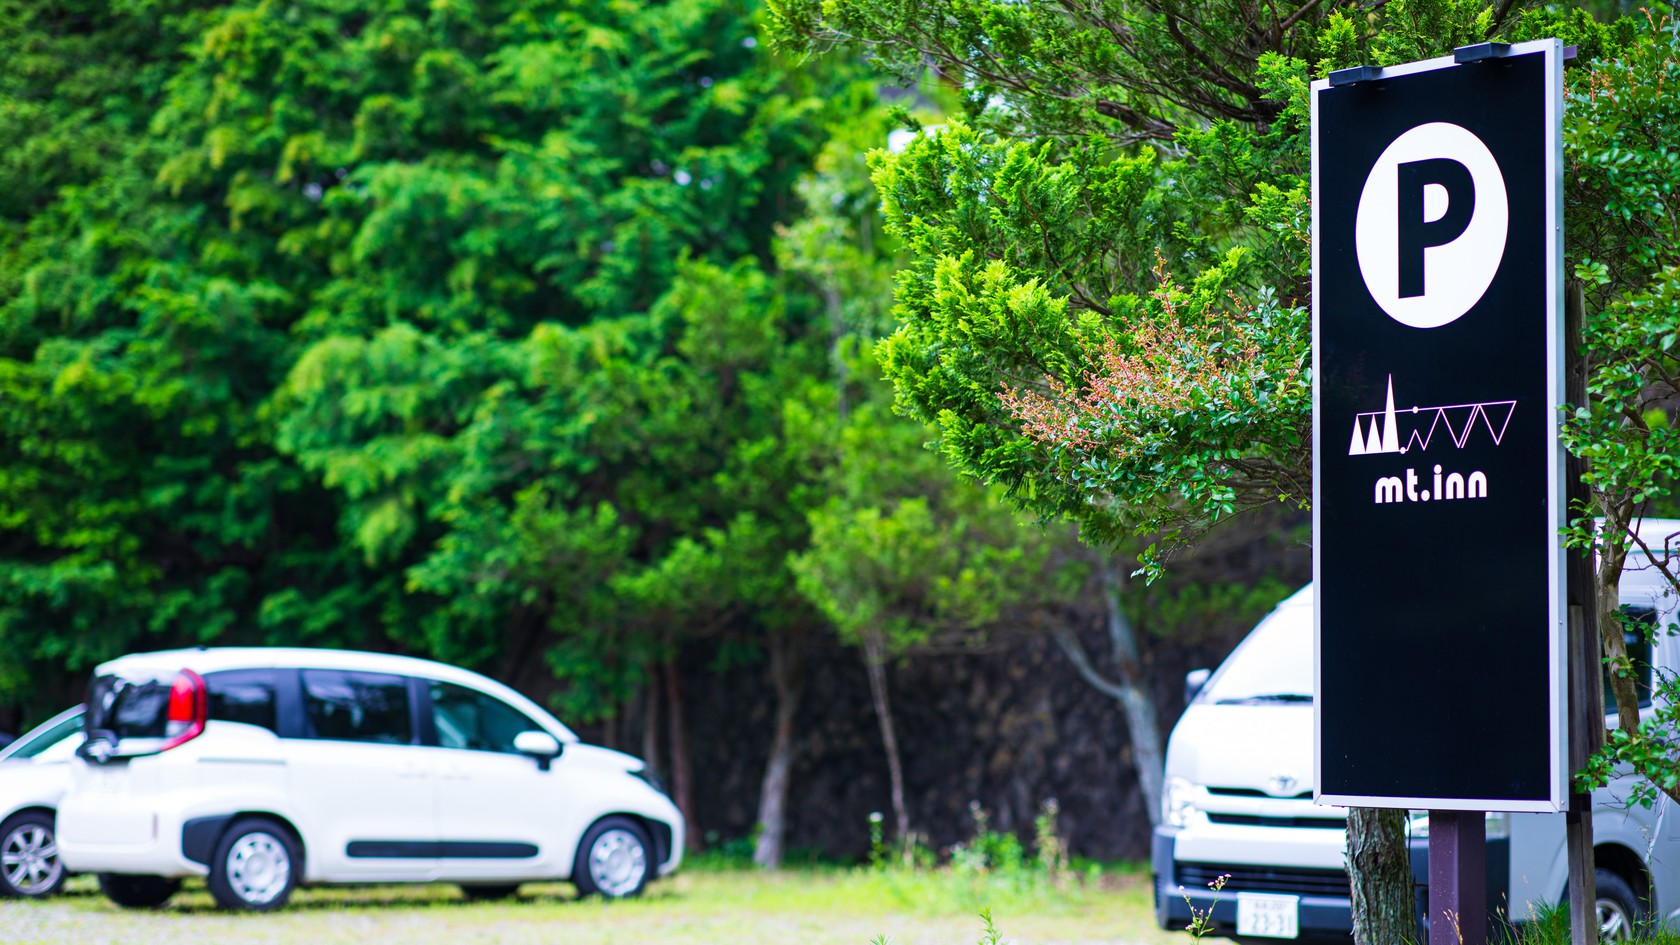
{"type": "Point", "coordinates": [708, 906]}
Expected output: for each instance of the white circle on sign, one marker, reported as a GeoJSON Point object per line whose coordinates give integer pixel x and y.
{"type": "Point", "coordinates": [1455, 274]}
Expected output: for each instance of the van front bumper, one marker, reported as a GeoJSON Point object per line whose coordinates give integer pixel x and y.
{"type": "Point", "coordinates": [1179, 888]}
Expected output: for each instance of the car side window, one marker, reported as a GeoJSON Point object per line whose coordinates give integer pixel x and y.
{"type": "Point", "coordinates": [469, 719]}
{"type": "Point", "coordinates": [356, 707]}
{"type": "Point", "coordinates": [243, 695]}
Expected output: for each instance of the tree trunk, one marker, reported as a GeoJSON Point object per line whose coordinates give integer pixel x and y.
{"type": "Point", "coordinates": [1148, 754]}
{"type": "Point", "coordinates": [787, 672]}
{"type": "Point", "coordinates": [835, 306]}
{"type": "Point", "coordinates": [650, 726]}
{"type": "Point", "coordinates": [1142, 725]}
{"type": "Point", "coordinates": [682, 782]}
{"type": "Point", "coordinates": [1380, 874]}
{"type": "Point", "coordinates": [875, 660]}
{"type": "Point", "coordinates": [610, 726]}
{"type": "Point", "coordinates": [1612, 558]}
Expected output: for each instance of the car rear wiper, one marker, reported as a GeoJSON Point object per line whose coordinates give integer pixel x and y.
{"type": "Point", "coordinates": [1270, 697]}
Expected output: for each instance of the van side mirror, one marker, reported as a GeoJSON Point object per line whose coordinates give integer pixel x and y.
{"type": "Point", "coordinates": [1194, 680]}
{"type": "Point", "coordinates": [539, 745]}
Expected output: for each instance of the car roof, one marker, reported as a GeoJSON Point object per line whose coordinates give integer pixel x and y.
{"type": "Point", "coordinates": [210, 659]}
{"type": "Point", "coordinates": [164, 664]}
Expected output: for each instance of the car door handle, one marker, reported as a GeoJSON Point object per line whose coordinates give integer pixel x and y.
{"type": "Point", "coordinates": [412, 772]}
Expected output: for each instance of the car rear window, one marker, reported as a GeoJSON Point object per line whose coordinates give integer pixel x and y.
{"type": "Point", "coordinates": [357, 707]}
{"type": "Point", "coordinates": [122, 708]}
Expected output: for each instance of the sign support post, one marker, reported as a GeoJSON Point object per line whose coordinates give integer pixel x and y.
{"type": "Point", "coordinates": [1457, 877]}
{"type": "Point", "coordinates": [1586, 684]}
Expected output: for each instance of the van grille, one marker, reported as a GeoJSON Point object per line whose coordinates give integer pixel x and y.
{"type": "Point", "coordinates": [1254, 792]}
{"type": "Point", "coordinates": [1249, 878]}
{"type": "Point", "coordinates": [1251, 820]}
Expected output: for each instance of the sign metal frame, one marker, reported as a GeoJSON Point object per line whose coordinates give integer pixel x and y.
{"type": "Point", "coordinates": [1334, 437]}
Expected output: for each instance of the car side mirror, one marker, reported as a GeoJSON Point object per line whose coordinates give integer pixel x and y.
{"type": "Point", "coordinates": [1194, 680]}
{"type": "Point", "coordinates": [539, 745]}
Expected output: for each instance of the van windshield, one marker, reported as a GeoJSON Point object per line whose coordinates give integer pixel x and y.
{"type": "Point", "coordinates": [1274, 665]}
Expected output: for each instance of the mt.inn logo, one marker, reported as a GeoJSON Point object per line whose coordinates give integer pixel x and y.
{"type": "Point", "coordinates": [1392, 431]}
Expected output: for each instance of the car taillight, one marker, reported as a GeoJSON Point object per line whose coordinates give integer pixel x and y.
{"type": "Point", "coordinates": [188, 709]}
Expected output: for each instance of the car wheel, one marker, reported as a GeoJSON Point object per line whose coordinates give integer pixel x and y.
{"type": "Point", "coordinates": [137, 892]}
{"type": "Point", "coordinates": [490, 893]}
{"type": "Point", "coordinates": [1621, 914]}
{"type": "Point", "coordinates": [613, 860]}
{"type": "Point", "coordinates": [29, 863]}
{"type": "Point", "coordinates": [255, 867]}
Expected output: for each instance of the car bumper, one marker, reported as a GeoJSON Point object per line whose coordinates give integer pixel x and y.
{"type": "Point", "coordinates": [1321, 917]}
{"type": "Point", "coordinates": [1178, 903]}
{"type": "Point", "coordinates": [108, 835]}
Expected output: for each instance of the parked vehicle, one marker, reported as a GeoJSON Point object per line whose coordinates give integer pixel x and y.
{"type": "Point", "coordinates": [1238, 801]}
{"type": "Point", "coordinates": [264, 769]}
{"type": "Point", "coordinates": [34, 772]}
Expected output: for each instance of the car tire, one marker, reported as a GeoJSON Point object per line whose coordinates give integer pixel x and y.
{"type": "Point", "coordinates": [137, 892]}
{"type": "Point", "coordinates": [255, 867]}
{"type": "Point", "coordinates": [29, 864]}
{"type": "Point", "coordinates": [1621, 913]}
{"type": "Point", "coordinates": [490, 893]}
{"type": "Point", "coordinates": [614, 860]}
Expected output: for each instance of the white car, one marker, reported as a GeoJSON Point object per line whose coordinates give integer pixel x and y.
{"type": "Point", "coordinates": [262, 769]}
{"type": "Point", "coordinates": [33, 776]}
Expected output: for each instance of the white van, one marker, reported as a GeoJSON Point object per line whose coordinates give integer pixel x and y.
{"type": "Point", "coordinates": [262, 769]}
{"type": "Point", "coordinates": [1238, 801]}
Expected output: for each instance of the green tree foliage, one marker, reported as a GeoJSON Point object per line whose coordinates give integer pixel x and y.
{"type": "Point", "coordinates": [136, 504]}
{"type": "Point", "coordinates": [453, 328]}
{"type": "Point", "coordinates": [1117, 333]}
{"type": "Point", "coordinates": [1624, 225]}
{"type": "Point", "coordinates": [901, 558]}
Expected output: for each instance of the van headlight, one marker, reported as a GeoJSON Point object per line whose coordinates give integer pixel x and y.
{"type": "Point", "coordinates": [1178, 802]}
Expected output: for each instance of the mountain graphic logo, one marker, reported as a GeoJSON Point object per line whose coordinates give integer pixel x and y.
{"type": "Point", "coordinates": [1391, 430]}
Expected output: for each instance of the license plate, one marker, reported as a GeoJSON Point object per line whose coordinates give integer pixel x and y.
{"type": "Point", "coordinates": [1268, 916]}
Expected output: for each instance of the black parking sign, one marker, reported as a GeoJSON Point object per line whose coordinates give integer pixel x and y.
{"type": "Point", "coordinates": [1437, 488]}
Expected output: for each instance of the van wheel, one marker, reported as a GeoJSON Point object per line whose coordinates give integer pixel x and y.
{"type": "Point", "coordinates": [490, 893]}
{"type": "Point", "coordinates": [1620, 913]}
{"type": "Point", "coordinates": [613, 860]}
{"type": "Point", "coordinates": [137, 892]}
{"type": "Point", "coordinates": [255, 867]}
{"type": "Point", "coordinates": [29, 863]}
